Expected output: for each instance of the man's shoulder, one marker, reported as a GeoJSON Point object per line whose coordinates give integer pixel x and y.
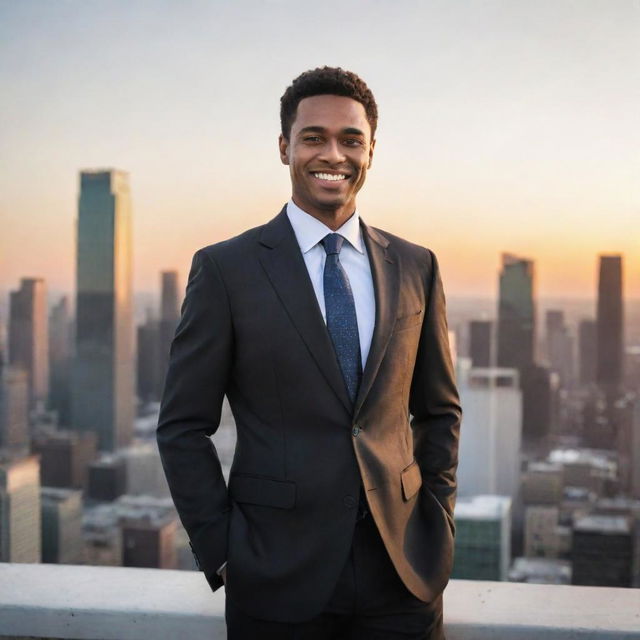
{"type": "Point", "coordinates": [235, 246]}
{"type": "Point", "coordinates": [405, 248]}
{"type": "Point", "coordinates": [241, 247]}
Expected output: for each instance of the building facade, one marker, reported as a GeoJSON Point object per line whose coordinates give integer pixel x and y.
{"type": "Point", "coordinates": [104, 367]}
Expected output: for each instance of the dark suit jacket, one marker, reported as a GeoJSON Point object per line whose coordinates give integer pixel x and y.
{"type": "Point", "coordinates": [251, 328]}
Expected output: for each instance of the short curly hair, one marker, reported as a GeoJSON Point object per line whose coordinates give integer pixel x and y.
{"type": "Point", "coordinates": [326, 81]}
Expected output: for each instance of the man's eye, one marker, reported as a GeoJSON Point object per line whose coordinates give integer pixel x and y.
{"type": "Point", "coordinates": [352, 142]}
{"type": "Point", "coordinates": [312, 138]}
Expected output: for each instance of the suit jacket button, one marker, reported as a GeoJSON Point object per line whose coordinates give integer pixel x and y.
{"type": "Point", "coordinates": [349, 501]}
{"type": "Point", "coordinates": [355, 431]}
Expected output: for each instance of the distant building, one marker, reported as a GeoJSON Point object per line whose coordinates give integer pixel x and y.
{"type": "Point", "coordinates": [14, 408]}
{"type": "Point", "coordinates": [144, 472]}
{"type": "Point", "coordinates": [60, 359]}
{"type": "Point", "coordinates": [20, 528]}
{"type": "Point", "coordinates": [610, 320]}
{"type": "Point", "coordinates": [61, 526]}
{"type": "Point", "coordinates": [540, 403]}
{"type": "Point", "coordinates": [149, 541]}
{"type": "Point", "coordinates": [593, 470]}
{"type": "Point", "coordinates": [542, 484]}
{"type": "Point", "coordinates": [540, 571]}
{"type": "Point", "coordinates": [602, 551]}
{"type": "Point", "coordinates": [559, 343]}
{"type": "Point", "coordinates": [587, 350]}
{"type": "Point", "coordinates": [133, 531]}
{"type": "Point", "coordinates": [482, 543]}
{"type": "Point", "coordinates": [541, 539]}
{"type": "Point", "coordinates": [490, 446]}
{"type": "Point", "coordinates": [169, 316]}
{"type": "Point", "coordinates": [107, 478]}
{"type": "Point", "coordinates": [516, 313]}
{"type": "Point", "coordinates": [65, 457]}
{"type": "Point", "coordinates": [480, 335]}
{"type": "Point", "coordinates": [29, 338]}
{"type": "Point", "coordinates": [149, 366]}
{"type": "Point", "coordinates": [103, 374]}
{"type": "Point", "coordinates": [635, 450]}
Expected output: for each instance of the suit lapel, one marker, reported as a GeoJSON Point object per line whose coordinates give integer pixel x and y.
{"type": "Point", "coordinates": [384, 270]}
{"type": "Point", "coordinates": [282, 260]}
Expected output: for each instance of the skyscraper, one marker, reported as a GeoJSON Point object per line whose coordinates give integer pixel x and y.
{"type": "Point", "coordinates": [609, 324]}
{"type": "Point", "coordinates": [169, 316]}
{"type": "Point", "coordinates": [60, 343]}
{"type": "Point", "coordinates": [559, 345]}
{"type": "Point", "coordinates": [516, 313]}
{"type": "Point", "coordinates": [480, 342]}
{"type": "Point", "coordinates": [28, 337]}
{"type": "Point", "coordinates": [587, 336]}
{"type": "Point", "coordinates": [103, 372]}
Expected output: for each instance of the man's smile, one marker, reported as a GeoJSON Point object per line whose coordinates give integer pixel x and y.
{"type": "Point", "coordinates": [331, 177]}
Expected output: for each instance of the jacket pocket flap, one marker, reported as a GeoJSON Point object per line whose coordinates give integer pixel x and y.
{"type": "Point", "coordinates": [263, 491]}
{"type": "Point", "coordinates": [411, 480]}
{"type": "Point", "coordinates": [408, 321]}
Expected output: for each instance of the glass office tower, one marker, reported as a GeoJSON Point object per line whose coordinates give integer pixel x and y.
{"type": "Point", "coordinates": [516, 313]}
{"type": "Point", "coordinates": [103, 376]}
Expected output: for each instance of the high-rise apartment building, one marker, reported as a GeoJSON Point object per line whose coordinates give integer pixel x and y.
{"type": "Point", "coordinates": [28, 337]}
{"type": "Point", "coordinates": [516, 313]}
{"type": "Point", "coordinates": [60, 349]}
{"type": "Point", "coordinates": [610, 324]}
{"type": "Point", "coordinates": [103, 373]}
{"type": "Point", "coordinates": [20, 535]}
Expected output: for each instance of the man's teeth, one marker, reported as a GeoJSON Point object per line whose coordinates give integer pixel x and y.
{"type": "Point", "coordinates": [330, 176]}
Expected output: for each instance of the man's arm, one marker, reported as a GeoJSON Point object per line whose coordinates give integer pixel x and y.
{"type": "Point", "coordinates": [434, 402]}
{"type": "Point", "coordinates": [199, 365]}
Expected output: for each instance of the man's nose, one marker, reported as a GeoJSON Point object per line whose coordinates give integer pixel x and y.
{"type": "Point", "coordinates": [332, 152]}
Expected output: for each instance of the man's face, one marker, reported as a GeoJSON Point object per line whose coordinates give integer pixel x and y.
{"type": "Point", "coordinates": [328, 152]}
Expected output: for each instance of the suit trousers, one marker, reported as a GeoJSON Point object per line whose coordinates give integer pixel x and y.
{"type": "Point", "coordinates": [370, 602]}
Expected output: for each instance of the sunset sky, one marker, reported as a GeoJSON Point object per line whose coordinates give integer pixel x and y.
{"type": "Point", "coordinates": [505, 125]}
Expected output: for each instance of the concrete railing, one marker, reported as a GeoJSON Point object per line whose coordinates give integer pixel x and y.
{"type": "Point", "coordinates": [107, 603]}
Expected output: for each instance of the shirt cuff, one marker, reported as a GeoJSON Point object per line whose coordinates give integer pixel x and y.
{"type": "Point", "coordinates": [221, 568]}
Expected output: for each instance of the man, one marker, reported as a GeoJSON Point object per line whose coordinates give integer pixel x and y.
{"type": "Point", "coordinates": [329, 339]}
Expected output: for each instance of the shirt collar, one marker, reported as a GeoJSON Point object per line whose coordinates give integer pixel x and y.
{"type": "Point", "coordinates": [309, 231]}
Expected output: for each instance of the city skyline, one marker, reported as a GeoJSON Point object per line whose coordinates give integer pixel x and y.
{"type": "Point", "coordinates": [509, 127]}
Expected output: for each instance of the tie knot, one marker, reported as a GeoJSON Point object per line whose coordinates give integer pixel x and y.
{"type": "Point", "coordinates": [332, 243]}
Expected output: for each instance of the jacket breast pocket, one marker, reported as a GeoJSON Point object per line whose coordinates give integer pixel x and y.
{"type": "Point", "coordinates": [262, 491]}
{"type": "Point", "coordinates": [408, 321]}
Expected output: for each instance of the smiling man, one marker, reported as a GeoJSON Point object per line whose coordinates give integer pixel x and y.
{"type": "Point", "coordinates": [329, 338]}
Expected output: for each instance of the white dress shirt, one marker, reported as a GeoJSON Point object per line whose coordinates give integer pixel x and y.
{"type": "Point", "coordinates": [309, 231]}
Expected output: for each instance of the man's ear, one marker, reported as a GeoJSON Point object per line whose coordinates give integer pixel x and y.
{"type": "Point", "coordinates": [371, 146]}
{"type": "Point", "coordinates": [283, 145]}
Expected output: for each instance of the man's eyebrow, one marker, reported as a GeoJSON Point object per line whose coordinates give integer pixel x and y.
{"type": "Point", "coordinates": [352, 131]}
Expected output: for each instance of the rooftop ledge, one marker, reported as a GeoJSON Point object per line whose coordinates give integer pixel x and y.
{"type": "Point", "coordinates": [109, 603]}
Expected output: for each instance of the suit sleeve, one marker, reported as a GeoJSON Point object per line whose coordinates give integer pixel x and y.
{"type": "Point", "coordinates": [434, 402]}
{"type": "Point", "coordinates": [197, 376]}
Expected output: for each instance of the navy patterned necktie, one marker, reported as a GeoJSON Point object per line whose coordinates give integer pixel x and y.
{"type": "Point", "coordinates": [342, 322]}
